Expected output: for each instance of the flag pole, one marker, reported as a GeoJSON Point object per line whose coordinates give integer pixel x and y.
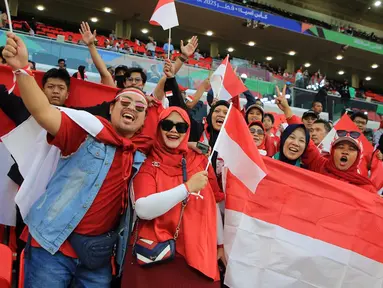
{"type": "Point", "coordinates": [8, 15]}
{"type": "Point", "coordinates": [224, 72]}
{"type": "Point", "coordinates": [219, 137]}
{"type": "Point", "coordinates": [170, 36]}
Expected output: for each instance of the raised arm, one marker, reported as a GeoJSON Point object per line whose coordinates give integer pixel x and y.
{"type": "Point", "coordinates": [204, 87]}
{"type": "Point", "coordinates": [159, 91]}
{"type": "Point", "coordinates": [186, 51]}
{"type": "Point", "coordinates": [16, 54]}
{"type": "Point", "coordinates": [88, 37]}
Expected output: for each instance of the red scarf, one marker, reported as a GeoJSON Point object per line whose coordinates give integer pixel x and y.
{"type": "Point", "coordinates": [108, 135]}
{"type": "Point", "coordinates": [197, 241]}
{"type": "Point", "coordinates": [351, 175]}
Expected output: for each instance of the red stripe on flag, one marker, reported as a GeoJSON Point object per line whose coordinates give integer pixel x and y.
{"type": "Point", "coordinates": [235, 127]}
{"type": "Point", "coordinates": [231, 82]}
{"type": "Point", "coordinates": [313, 205]}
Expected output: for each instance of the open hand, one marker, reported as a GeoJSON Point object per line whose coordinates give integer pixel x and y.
{"type": "Point", "coordinates": [15, 52]}
{"type": "Point", "coordinates": [87, 36]}
{"type": "Point", "coordinates": [189, 49]}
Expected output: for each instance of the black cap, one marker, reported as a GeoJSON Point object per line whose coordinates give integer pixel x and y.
{"type": "Point", "coordinates": [310, 113]}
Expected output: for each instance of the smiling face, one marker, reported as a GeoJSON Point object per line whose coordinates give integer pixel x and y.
{"type": "Point", "coordinates": [56, 91]}
{"type": "Point", "coordinates": [218, 116]}
{"type": "Point", "coordinates": [173, 138]}
{"type": "Point", "coordinates": [258, 134]}
{"type": "Point", "coordinates": [254, 115]}
{"type": "Point", "coordinates": [345, 155]}
{"type": "Point", "coordinates": [295, 144]}
{"type": "Point", "coordinates": [128, 114]}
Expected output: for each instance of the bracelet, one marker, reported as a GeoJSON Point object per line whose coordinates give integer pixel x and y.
{"type": "Point", "coordinates": [183, 58]}
{"type": "Point", "coordinates": [23, 71]}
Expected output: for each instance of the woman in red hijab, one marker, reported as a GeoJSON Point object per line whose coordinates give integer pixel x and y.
{"type": "Point", "coordinates": [343, 162]}
{"type": "Point", "coordinates": [258, 131]}
{"type": "Point", "coordinates": [159, 193]}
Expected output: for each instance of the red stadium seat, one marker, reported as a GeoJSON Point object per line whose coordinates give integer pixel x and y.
{"type": "Point", "coordinates": [21, 270]}
{"type": "Point", "coordinates": [5, 266]}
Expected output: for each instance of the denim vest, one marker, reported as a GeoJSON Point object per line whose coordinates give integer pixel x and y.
{"type": "Point", "coordinates": [71, 191]}
{"type": "Point", "coordinates": [126, 222]}
{"type": "Point", "coordinates": [69, 194]}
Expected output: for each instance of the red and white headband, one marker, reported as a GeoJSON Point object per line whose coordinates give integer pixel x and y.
{"type": "Point", "coordinates": [130, 91]}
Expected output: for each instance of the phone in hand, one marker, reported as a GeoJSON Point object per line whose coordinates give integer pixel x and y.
{"type": "Point", "coordinates": [203, 147]}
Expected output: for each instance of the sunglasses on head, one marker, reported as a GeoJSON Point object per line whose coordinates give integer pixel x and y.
{"type": "Point", "coordinates": [344, 133]}
{"type": "Point", "coordinates": [256, 131]}
{"type": "Point", "coordinates": [168, 125]}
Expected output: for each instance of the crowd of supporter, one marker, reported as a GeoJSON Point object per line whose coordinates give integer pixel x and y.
{"type": "Point", "coordinates": [349, 30]}
{"type": "Point", "coordinates": [102, 178]}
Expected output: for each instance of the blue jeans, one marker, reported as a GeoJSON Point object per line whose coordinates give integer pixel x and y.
{"type": "Point", "coordinates": [43, 270]}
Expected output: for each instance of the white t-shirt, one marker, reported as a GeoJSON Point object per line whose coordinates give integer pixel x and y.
{"type": "Point", "coordinates": [151, 46]}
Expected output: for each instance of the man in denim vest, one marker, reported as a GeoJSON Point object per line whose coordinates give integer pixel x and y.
{"type": "Point", "coordinates": [87, 194]}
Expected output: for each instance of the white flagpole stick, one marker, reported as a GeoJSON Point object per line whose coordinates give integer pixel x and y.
{"type": "Point", "coordinates": [219, 137]}
{"type": "Point", "coordinates": [170, 36]}
{"type": "Point", "coordinates": [8, 15]}
{"type": "Point", "coordinates": [223, 77]}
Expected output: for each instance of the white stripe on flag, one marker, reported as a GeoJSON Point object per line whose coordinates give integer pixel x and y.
{"type": "Point", "coordinates": [239, 164]}
{"type": "Point", "coordinates": [37, 159]}
{"type": "Point", "coordinates": [217, 79]}
{"type": "Point", "coordinates": [263, 255]}
{"type": "Point", "coordinates": [8, 189]}
{"type": "Point", "coordinates": [166, 16]}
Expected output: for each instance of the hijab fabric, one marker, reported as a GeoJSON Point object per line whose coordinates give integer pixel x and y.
{"type": "Point", "coordinates": [351, 175]}
{"type": "Point", "coordinates": [290, 129]}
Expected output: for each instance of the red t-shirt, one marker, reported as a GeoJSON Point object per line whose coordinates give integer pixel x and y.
{"type": "Point", "coordinates": [103, 214]}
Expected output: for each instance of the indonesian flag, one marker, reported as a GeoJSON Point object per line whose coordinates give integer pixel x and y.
{"type": "Point", "coordinates": [301, 229]}
{"type": "Point", "coordinates": [368, 161]}
{"type": "Point", "coordinates": [165, 15]}
{"type": "Point", "coordinates": [225, 83]}
{"type": "Point", "coordinates": [236, 147]}
{"type": "Point", "coordinates": [37, 159]}
{"type": "Point", "coordinates": [78, 88]}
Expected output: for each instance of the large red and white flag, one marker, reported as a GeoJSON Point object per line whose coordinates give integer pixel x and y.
{"type": "Point", "coordinates": [165, 15]}
{"type": "Point", "coordinates": [37, 160]}
{"type": "Point", "coordinates": [225, 83]}
{"type": "Point", "coordinates": [301, 229]}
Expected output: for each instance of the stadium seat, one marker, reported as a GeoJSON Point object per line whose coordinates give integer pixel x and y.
{"type": "Point", "coordinates": [21, 270]}
{"type": "Point", "coordinates": [5, 266]}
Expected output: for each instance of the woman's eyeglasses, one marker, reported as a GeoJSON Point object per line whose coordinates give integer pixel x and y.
{"type": "Point", "coordinates": [344, 133]}
{"type": "Point", "coordinates": [257, 131]}
{"type": "Point", "coordinates": [168, 125]}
